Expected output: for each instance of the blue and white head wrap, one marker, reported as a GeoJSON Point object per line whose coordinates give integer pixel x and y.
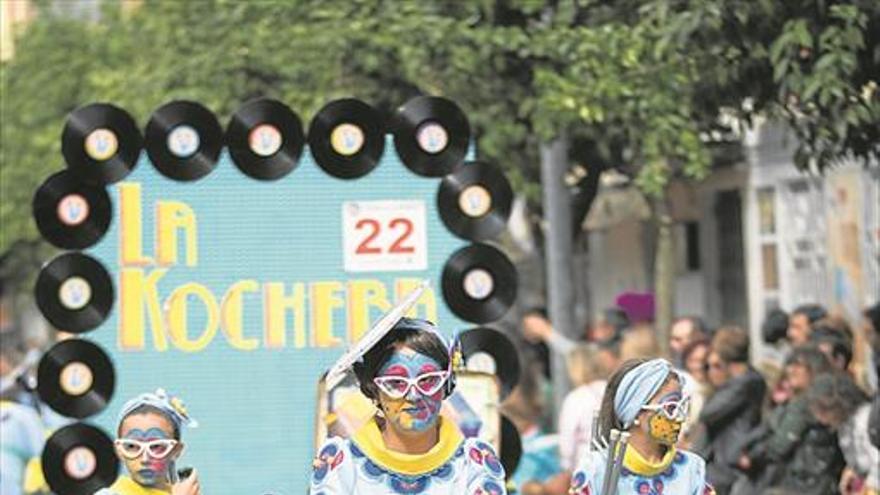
{"type": "Point", "coordinates": [637, 387]}
{"type": "Point", "coordinates": [172, 406]}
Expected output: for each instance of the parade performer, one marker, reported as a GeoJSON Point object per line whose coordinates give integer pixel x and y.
{"type": "Point", "coordinates": [149, 444]}
{"type": "Point", "coordinates": [643, 405]}
{"type": "Point", "coordinates": [408, 446]}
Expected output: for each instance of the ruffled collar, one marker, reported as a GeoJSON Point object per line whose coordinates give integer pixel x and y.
{"type": "Point", "coordinates": [638, 464]}
{"type": "Point", "coordinates": [369, 440]}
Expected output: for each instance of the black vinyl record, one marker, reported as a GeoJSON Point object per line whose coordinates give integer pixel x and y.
{"type": "Point", "coordinates": [79, 459]}
{"type": "Point", "coordinates": [511, 447]}
{"type": "Point", "coordinates": [346, 138]}
{"type": "Point", "coordinates": [70, 213]}
{"type": "Point", "coordinates": [183, 140]}
{"type": "Point", "coordinates": [482, 341]}
{"type": "Point", "coordinates": [474, 201]}
{"type": "Point", "coordinates": [265, 139]}
{"type": "Point", "coordinates": [431, 135]}
{"type": "Point", "coordinates": [75, 378]}
{"type": "Point", "coordinates": [479, 283]}
{"type": "Point", "coordinates": [101, 143]}
{"type": "Point", "coordinates": [74, 292]}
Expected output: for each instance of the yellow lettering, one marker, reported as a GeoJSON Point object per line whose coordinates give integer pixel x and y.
{"type": "Point", "coordinates": [177, 317]}
{"type": "Point", "coordinates": [135, 292]}
{"type": "Point", "coordinates": [172, 216]}
{"type": "Point", "coordinates": [232, 311]}
{"type": "Point", "coordinates": [325, 299]}
{"type": "Point", "coordinates": [275, 306]}
{"type": "Point", "coordinates": [362, 296]}
{"type": "Point", "coordinates": [131, 236]}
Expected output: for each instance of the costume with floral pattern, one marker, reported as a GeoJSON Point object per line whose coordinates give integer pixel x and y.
{"type": "Point", "coordinates": [678, 473]}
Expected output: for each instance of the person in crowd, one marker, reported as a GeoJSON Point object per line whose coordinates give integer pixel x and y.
{"type": "Point", "coordinates": [149, 444]}
{"type": "Point", "coordinates": [539, 461]}
{"type": "Point", "coordinates": [838, 403]}
{"type": "Point", "coordinates": [589, 378]}
{"type": "Point", "coordinates": [608, 326]}
{"type": "Point", "coordinates": [733, 409]}
{"type": "Point", "coordinates": [644, 398]}
{"type": "Point", "coordinates": [791, 449]}
{"type": "Point", "coordinates": [833, 343]}
{"type": "Point", "coordinates": [684, 330]}
{"type": "Point", "coordinates": [408, 446]}
{"type": "Point", "coordinates": [696, 362]}
{"type": "Point", "coordinates": [774, 328]}
{"type": "Point", "coordinates": [639, 341]}
{"type": "Point", "coordinates": [800, 323]}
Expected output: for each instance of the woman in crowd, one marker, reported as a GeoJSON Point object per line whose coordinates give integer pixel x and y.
{"type": "Point", "coordinates": [576, 415]}
{"type": "Point", "coordinates": [695, 358]}
{"type": "Point", "coordinates": [838, 403]}
{"type": "Point", "coordinates": [149, 445]}
{"type": "Point", "coordinates": [644, 398]}
{"type": "Point", "coordinates": [407, 447]}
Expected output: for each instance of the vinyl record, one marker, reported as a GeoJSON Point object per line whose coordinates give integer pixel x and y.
{"type": "Point", "coordinates": [479, 283]}
{"type": "Point", "coordinates": [74, 292]}
{"type": "Point", "coordinates": [474, 201]}
{"type": "Point", "coordinates": [79, 459]}
{"type": "Point", "coordinates": [75, 377]}
{"type": "Point", "coordinates": [265, 139]}
{"type": "Point", "coordinates": [431, 135]}
{"type": "Point", "coordinates": [183, 140]}
{"type": "Point", "coordinates": [70, 213]}
{"type": "Point", "coordinates": [101, 143]}
{"type": "Point", "coordinates": [346, 138]}
{"type": "Point", "coordinates": [490, 351]}
{"type": "Point", "coordinates": [511, 447]}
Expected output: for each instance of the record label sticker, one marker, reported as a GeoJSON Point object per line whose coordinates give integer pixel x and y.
{"type": "Point", "coordinates": [73, 210]}
{"type": "Point", "coordinates": [347, 139]}
{"type": "Point", "coordinates": [183, 141]}
{"type": "Point", "coordinates": [478, 284]}
{"type": "Point", "coordinates": [432, 137]}
{"type": "Point", "coordinates": [475, 201]}
{"type": "Point", "coordinates": [384, 236]}
{"type": "Point", "coordinates": [80, 463]}
{"type": "Point", "coordinates": [75, 293]}
{"type": "Point", "coordinates": [76, 378]}
{"type": "Point", "coordinates": [265, 140]}
{"type": "Point", "coordinates": [481, 362]}
{"type": "Point", "coordinates": [101, 144]}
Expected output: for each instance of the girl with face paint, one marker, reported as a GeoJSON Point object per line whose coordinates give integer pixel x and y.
{"type": "Point", "coordinates": [148, 444]}
{"type": "Point", "coordinates": [408, 446]}
{"type": "Point", "coordinates": [644, 398]}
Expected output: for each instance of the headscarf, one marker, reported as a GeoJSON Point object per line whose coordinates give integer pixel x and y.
{"type": "Point", "coordinates": [637, 387]}
{"type": "Point", "coordinates": [172, 406]}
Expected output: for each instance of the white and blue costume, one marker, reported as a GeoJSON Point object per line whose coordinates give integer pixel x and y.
{"type": "Point", "coordinates": [363, 465]}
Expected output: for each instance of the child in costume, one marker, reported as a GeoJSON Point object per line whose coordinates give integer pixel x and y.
{"type": "Point", "coordinates": [408, 446]}
{"type": "Point", "coordinates": [644, 400]}
{"type": "Point", "coordinates": [148, 444]}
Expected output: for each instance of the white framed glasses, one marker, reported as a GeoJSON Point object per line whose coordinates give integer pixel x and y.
{"type": "Point", "coordinates": [157, 449]}
{"type": "Point", "coordinates": [674, 410]}
{"type": "Point", "coordinates": [397, 387]}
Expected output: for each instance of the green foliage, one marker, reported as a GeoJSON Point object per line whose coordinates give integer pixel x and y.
{"type": "Point", "coordinates": [642, 81]}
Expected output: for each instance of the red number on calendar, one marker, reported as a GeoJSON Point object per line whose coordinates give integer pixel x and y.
{"type": "Point", "coordinates": [398, 246]}
{"type": "Point", "coordinates": [364, 247]}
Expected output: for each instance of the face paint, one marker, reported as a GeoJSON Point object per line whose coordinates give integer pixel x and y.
{"type": "Point", "coordinates": [660, 427]}
{"type": "Point", "coordinates": [145, 469]}
{"type": "Point", "coordinates": [415, 412]}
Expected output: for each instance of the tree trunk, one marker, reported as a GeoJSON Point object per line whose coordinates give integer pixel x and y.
{"type": "Point", "coordinates": [558, 242]}
{"type": "Point", "coordinates": [664, 273]}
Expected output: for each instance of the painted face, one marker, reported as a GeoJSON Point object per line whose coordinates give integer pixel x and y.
{"type": "Point", "coordinates": [151, 467]}
{"type": "Point", "coordinates": [666, 412]}
{"type": "Point", "coordinates": [415, 411]}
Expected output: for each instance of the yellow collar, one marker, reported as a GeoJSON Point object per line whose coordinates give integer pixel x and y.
{"type": "Point", "coordinates": [635, 462]}
{"type": "Point", "coordinates": [369, 440]}
{"type": "Point", "coordinates": [127, 486]}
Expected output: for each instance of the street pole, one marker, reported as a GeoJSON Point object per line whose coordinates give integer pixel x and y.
{"type": "Point", "coordinates": [558, 246]}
